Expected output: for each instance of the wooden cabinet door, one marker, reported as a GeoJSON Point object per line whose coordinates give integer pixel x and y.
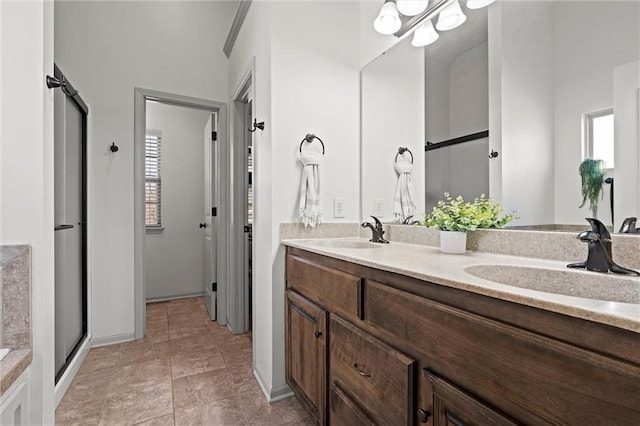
{"type": "Point", "coordinates": [444, 404]}
{"type": "Point", "coordinates": [344, 411]}
{"type": "Point", "coordinates": [306, 331]}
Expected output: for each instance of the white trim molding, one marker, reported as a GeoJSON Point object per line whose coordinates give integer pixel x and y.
{"type": "Point", "coordinates": [238, 20]}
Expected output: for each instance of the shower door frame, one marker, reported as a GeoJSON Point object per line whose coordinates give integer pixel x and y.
{"type": "Point", "coordinates": [73, 95]}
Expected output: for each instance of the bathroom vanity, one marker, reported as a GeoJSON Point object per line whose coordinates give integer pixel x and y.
{"type": "Point", "coordinates": [403, 335]}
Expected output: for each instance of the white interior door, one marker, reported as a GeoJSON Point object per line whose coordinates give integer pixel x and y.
{"type": "Point", "coordinates": [210, 219]}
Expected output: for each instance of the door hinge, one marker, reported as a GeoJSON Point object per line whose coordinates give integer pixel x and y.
{"type": "Point", "coordinates": [214, 211]}
{"type": "Point", "coordinates": [214, 136]}
{"type": "Point", "coordinates": [214, 286]}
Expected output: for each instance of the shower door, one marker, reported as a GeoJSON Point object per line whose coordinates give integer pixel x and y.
{"type": "Point", "coordinates": [70, 128]}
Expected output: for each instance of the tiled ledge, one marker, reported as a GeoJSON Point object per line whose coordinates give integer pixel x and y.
{"type": "Point", "coordinates": [15, 312]}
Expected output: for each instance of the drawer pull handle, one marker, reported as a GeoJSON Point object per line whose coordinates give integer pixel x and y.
{"type": "Point", "coordinates": [360, 372]}
{"type": "Point", "coordinates": [317, 334]}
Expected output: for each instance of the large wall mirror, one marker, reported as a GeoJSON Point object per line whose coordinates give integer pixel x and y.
{"type": "Point", "coordinates": [545, 84]}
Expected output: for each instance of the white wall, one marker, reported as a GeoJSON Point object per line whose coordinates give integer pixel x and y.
{"type": "Point", "coordinates": [174, 258]}
{"type": "Point", "coordinates": [306, 81]}
{"type": "Point", "coordinates": [108, 49]}
{"type": "Point", "coordinates": [26, 174]}
{"type": "Point", "coordinates": [584, 62]}
{"type": "Point", "coordinates": [524, 61]}
{"type": "Point", "coordinates": [392, 113]}
{"type": "Point", "coordinates": [252, 50]}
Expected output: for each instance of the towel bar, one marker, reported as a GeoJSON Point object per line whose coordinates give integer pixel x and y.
{"type": "Point", "coordinates": [402, 150]}
{"type": "Point", "coordinates": [309, 138]}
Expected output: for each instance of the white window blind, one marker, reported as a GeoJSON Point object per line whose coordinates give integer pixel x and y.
{"type": "Point", "coordinates": [153, 180]}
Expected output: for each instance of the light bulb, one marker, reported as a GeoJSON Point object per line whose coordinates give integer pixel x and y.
{"type": "Point", "coordinates": [424, 35]}
{"type": "Point", "coordinates": [412, 7]}
{"type": "Point", "coordinates": [388, 20]}
{"type": "Point", "coordinates": [477, 4]}
{"type": "Point", "coordinates": [451, 17]}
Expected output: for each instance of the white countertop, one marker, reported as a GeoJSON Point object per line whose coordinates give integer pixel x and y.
{"type": "Point", "coordinates": [427, 263]}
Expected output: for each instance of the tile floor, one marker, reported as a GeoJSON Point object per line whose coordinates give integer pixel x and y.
{"type": "Point", "coordinates": [186, 371]}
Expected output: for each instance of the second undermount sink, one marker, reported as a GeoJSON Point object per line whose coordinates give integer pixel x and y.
{"type": "Point", "coordinates": [569, 283]}
{"type": "Point", "coordinates": [348, 244]}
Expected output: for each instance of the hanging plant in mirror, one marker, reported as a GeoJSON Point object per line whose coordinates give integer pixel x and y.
{"type": "Point", "coordinates": [592, 174]}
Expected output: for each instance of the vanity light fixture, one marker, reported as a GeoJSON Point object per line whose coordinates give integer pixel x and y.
{"type": "Point", "coordinates": [388, 20]}
{"type": "Point", "coordinates": [412, 7]}
{"type": "Point", "coordinates": [477, 4]}
{"type": "Point", "coordinates": [424, 35]}
{"type": "Point", "coordinates": [451, 17]}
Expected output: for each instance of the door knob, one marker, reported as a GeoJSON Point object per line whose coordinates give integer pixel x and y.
{"type": "Point", "coordinates": [203, 225]}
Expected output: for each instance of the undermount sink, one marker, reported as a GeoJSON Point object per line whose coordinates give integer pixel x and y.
{"type": "Point", "coordinates": [569, 283]}
{"type": "Point", "coordinates": [348, 244]}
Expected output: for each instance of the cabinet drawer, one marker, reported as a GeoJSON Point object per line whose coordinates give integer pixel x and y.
{"type": "Point", "coordinates": [344, 411]}
{"type": "Point", "coordinates": [334, 290]}
{"type": "Point", "coordinates": [376, 376]}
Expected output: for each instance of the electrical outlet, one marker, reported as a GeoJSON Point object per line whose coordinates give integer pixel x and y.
{"type": "Point", "coordinates": [378, 208]}
{"type": "Point", "coordinates": [338, 207]}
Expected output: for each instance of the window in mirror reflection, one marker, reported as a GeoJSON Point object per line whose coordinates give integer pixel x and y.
{"type": "Point", "coordinates": [599, 136]}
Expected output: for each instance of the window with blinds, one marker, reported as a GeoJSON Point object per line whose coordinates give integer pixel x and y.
{"type": "Point", "coordinates": [153, 180]}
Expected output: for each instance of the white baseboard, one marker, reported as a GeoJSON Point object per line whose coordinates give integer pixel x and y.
{"type": "Point", "coordinates": [180, 296]}
{"type": "Point", "coordinates": [71, 371]}
{"type": "Point", "coordinates": [271, 394]}
{"type": "Point", "coordinates": [112, 340]}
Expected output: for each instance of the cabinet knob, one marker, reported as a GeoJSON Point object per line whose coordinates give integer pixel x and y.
{"type": "Point", "coordinates": [318, 334]}
{"type": "Point", "coordinates": [423, 415]}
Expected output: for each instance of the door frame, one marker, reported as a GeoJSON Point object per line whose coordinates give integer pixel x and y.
{"type": "Point", "coordinates": [221, 178]}
{"type": "Point", "coordinates": [239, 309]}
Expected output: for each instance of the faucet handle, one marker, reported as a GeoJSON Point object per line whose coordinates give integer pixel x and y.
{"type": "Point", "coordinates": [378, 223]}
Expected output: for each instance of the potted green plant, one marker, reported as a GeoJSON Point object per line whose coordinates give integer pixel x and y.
{"type": "Point", "coordinates": [592, 174]}
{"type": "Point", "coordinates": [454, 217]}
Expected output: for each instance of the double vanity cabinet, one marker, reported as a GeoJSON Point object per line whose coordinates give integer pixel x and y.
{"type": "Point", "coordinates": [366, 346]}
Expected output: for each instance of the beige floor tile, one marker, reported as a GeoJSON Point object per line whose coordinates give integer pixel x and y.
{"type": "Point", "coordinates": [202, 388]}
{"type": "Point", "coordinates": [137, 376]}
{"type": "Point", "coordinates": [260, 412]}
{"type": "Point", "coordinates": [225, 412]}
{"type": "Point", "coordinates": [188, 364]}
{"type": "Point", "coordinates": [237, 359]}
{"type": "Point", "coordinates": [85, 412]}
{"type": "Point", "coordinates": [213, 381]}
{"type": "Point", "coordinates": [194, 343]}
{"type": "Point", "coordinates": [166, 420]}
{"type": "Point", "coordinates": [101, 358]}
{"type": "Point", "coordinates": [138, 352]}
{"type": "Point", "coordinates": [135, 405]}
{"type": "Point", "coordinates": [91, 385]}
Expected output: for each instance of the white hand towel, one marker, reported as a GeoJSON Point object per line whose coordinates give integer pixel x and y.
{"type": "Point", "coordinates": [403, 205]}
{"type": "Point", "coordinates": [309, 206]}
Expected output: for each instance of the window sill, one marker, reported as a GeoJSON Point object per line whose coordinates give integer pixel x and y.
{"type": "Point", "coordinates": [154, 230]}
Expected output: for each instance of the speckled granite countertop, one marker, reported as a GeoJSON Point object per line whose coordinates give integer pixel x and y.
{"type": "Point", "coordinates": [15, 312]}
{"type": "Point", "coordinates": [427, 263]}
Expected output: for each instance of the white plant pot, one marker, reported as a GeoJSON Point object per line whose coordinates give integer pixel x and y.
{"type": "Point", "coordinates": [453, 242]}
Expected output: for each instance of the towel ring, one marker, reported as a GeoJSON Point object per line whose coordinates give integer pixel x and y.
{"type": "Point", "coordinates": [309, 138]}
{"type": "Point", "coordinates": [402, 150]}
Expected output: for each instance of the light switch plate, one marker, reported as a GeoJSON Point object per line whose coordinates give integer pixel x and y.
{"type": "Point", "coordinates": [378, 207]}
{"type": "Point", "coordinates": [338, 207]}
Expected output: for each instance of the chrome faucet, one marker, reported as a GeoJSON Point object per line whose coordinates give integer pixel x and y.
{"type": "Point", "coordinates": [599, 258]}
{"type": "Point", "coordinates": [376, 231]}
